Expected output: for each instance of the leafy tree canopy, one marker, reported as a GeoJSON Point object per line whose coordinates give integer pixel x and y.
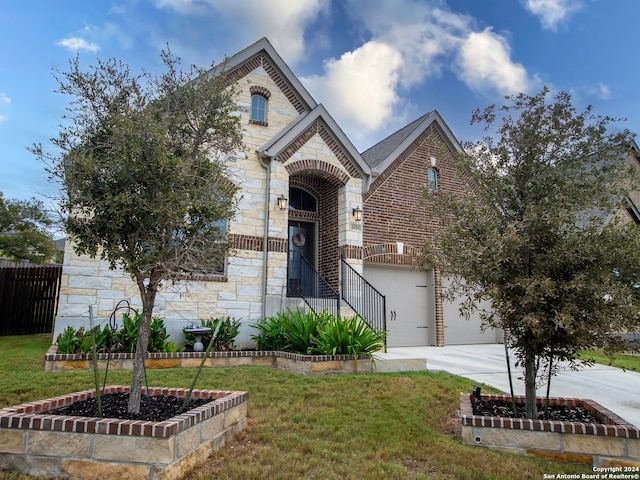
{"type": "Point", "coordinates": [142, 172]}
{"type": "Point", "coordinates": [24, 232]}
{"type": "Point", "coordinates": [538, 235]}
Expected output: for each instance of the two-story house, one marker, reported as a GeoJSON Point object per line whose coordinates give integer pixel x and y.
{"type": "Point", "coordinates": [319, 224]}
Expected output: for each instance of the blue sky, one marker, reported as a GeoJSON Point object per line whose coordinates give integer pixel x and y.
{"type": "Point", "coordinates": [375, 64]}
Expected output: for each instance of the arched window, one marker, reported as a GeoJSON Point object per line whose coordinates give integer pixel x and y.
{"type": "Point", "coordinates": [259, 103]}
{"type": "Point", "coordinates": [258, 109]}
{"type": "Point", "coordinates": [432, 179]}
{"type": "Point", "coordinates": [300, 199]}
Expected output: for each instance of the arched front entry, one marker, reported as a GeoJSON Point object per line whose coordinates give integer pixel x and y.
{"type": "Point", "coordinates": [312, 229]}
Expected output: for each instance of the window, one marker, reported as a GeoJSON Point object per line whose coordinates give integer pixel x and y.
{"type": "Point", "coordinates": [300, 199]}
{"type": "Point", "coordinates": [432, 179]}
{"type": "Point", "coordinates": [219, 267]}
{"type": "Point", "coordinates": [258, 109]}
{"type": "Point", "coordinates": [194, 269]}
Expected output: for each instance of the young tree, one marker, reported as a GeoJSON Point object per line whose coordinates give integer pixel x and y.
{"type": "Point", "coordinates": [142, 174]}
{"type": "Point", "coordinates": [23, 231]}
{"type": "Point", "coordinates": [534, 236]}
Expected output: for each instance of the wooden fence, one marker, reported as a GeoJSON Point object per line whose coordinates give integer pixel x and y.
{"type": "Point", "coordinates": [28, 298]}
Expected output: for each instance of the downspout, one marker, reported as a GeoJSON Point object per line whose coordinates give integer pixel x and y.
{"type": "Point", "coordinates": [265, 239]}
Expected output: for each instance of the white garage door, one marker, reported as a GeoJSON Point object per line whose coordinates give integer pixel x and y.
{"type": "Point", "coordinates": [409, 304]}
{"type": "Point", "coordinates": [459, 330]}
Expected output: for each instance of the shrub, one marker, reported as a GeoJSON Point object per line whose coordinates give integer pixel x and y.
{"type": "Point", "coordinates": [271, 336]}
{"type": "Point", "coordinates": [350, 336]}
{"type": "Point", "coordinates": [225, 330]}
{"type": "Point", "coordinates": [122, 341]}
{"type": "Point", "coordinates": [324, 334]}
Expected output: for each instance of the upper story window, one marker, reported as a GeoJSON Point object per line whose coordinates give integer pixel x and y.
{"type": "Point", "coordinates": [432, 179]}
{"type": "Point", "coordinates": [259, 100]}
{"type": "Point", "coordinates": [300, 199]}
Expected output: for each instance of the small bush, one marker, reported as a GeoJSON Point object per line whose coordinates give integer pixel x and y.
{"type": "Point", "coordinates": [351, 336]}
{"type": "Point", "coordinates": [123, 340]}
{"type": "Point", "coordinates": [271, 336]}
{"type": "Point", "coordinates": [324, 334]}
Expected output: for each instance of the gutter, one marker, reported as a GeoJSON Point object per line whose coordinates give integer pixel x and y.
{"type": "Point", "coordinates": [265, 239]}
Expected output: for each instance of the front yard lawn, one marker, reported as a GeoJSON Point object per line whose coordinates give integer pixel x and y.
{"type": "Point", "coordinates": [366, 426]}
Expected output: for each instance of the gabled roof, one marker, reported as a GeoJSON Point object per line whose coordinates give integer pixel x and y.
{"type": "Point", "coordinates": [381, 155]}
{"type": "Point", "coordinates": [233, 68]}
{"type": "Point", "coordinates": [295, 129]}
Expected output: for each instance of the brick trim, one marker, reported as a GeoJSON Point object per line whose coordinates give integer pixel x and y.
{"type": "Point", "coordinates": [612, 425]}
{"type": "Point", "coordinates": [439, 308]}
{"type": "Point", "coordinates": [260, 90]}
{"type": "Point", "coordinates": [261, 60]}
{"type": "Point", "coordinates": [38, 416]}
{"type": "Point", "coordinates": [255, 243]}
{"type": "Point", "coordinates": [387, 253]}
{"type": "Point", "coordinates": [53, 355]}
{"type": "Point", "coordinates": [319, 168]}
{"type": "Point", "coordinates": [351, 251]}
{"type": "Point", "coordinates": [318, 127]}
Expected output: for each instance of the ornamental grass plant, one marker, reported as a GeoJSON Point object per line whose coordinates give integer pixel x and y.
{"type": "Point", "coordinates": [317, 334]}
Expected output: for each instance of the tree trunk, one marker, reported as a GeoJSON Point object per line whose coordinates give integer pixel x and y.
{"type": "Point", "coordinates": [135, 393]}
{"type": "Point", "coordinates": [530, 374]}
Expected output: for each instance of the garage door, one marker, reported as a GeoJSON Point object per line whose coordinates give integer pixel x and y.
{"type": "Point", "coordinates": [409, 303]}
{"type": "Point", "coordinates": [459, 330]}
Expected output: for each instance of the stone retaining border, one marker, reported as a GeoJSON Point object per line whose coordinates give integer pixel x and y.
{"type": "Point", "coordinates": [293, 362]}
{"type": "Point", "coordinates": [36, 442]}
{"type": "Point", "coordinates": [613, 442]}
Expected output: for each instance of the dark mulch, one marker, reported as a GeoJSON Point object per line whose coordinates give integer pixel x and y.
{"type": "Point", "coordinates": [564, 413]}
{"type": "Point", "coordinates": [115, 405]}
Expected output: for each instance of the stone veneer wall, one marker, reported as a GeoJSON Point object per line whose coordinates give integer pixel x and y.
{"type": "Point", "coordinates": [613, 442]}
{"type": "Point", "coordinates": [36, 442]}
{"type": "Point", "coordinates": [239, 292]}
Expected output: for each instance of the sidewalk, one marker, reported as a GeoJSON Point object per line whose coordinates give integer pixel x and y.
{"type": "Point", "coordinates": [613, 388]}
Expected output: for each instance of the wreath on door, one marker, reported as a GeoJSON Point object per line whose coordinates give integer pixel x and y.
{"type": "Point", "coordinates": [299, 240]}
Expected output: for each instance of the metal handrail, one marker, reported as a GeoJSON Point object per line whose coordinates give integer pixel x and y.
{"type": "Point", "coordinates": [316, 291]}
{"type": "Point", "coordinates": [363, 298]}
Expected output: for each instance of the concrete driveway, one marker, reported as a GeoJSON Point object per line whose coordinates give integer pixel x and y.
{"type": "Point", "coordinates": [613, 388]}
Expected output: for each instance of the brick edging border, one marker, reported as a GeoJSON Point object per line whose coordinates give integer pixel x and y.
{"type": "Point", "coordinates": [36, 416]}
{"type": "Point", "coordinates": [611, 424]}
{"type": "Point", "coordinates": [53, 355]}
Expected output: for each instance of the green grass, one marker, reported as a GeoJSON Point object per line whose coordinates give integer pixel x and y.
{"type": "Point", "coordinates": [621, 360]}
{"type": "Point", "coordinates": [367, 426]}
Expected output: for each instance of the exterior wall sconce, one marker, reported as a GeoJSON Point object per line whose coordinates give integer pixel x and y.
{"type": "Point", "coordinates": [283, 202]}
{"type": "Point", "coordinates": [357, 214]}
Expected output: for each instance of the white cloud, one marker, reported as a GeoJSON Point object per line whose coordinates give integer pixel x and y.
{"type": "Point", "coordinates": [484, 62]}
{"type": "Point", "coordinates": [410, 41]}
{"type": "Point", "coordinates": [360, 86]}
{"type": "Point", "coordinates": [600, 91]}
{"type": "Point", "coordinates": [77, 43]}
{"type": "Point", "coordinates": [3, 118]}
{"type": "Point", "coordinates": [4, 99]}
{"type": "Point", "coordinates": [282, 21]}
{"type": "Point", "coordinates": [552, 12]}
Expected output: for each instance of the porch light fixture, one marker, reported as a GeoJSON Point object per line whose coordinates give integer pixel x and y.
{"type": "Point", "coordinates": [282, 202]}
{"type": "Point", "coordinates": [357, 214]}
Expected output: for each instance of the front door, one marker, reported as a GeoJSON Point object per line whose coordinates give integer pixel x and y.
{"type": "Point", "coordinates": [302, 243]}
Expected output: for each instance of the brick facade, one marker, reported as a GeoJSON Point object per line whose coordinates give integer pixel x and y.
{"type": "Point", "coordinates": [396, 211]}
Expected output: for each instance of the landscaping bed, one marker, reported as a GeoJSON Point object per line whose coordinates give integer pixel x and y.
{"type": "Point", "coordinates": [602, 441]}
{"type": "Point", "coordinates": [293, 362]}
{"type": "Point", "coordinates": [36, 442]}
